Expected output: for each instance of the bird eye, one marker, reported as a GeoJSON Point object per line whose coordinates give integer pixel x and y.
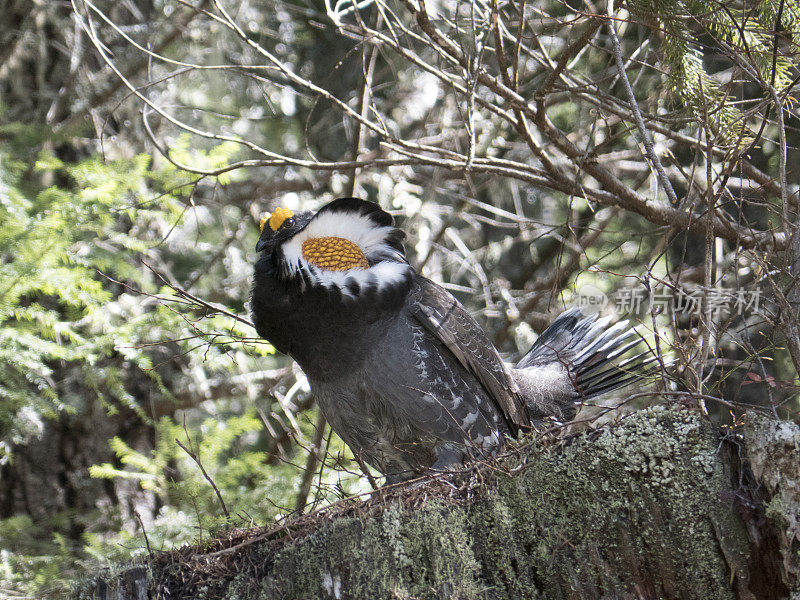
{"type": "Point", "coordinates": [288, 223]}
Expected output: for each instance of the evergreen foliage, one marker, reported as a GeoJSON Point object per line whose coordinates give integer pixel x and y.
{"type": "Point", "coordinates": [77, 243]}
{"type": "Point", "coordinates": [695, 32]}
{"type": "Point", "coordinates": [54, 304]}
{"type": "Point", "coordinates": [516, 205]}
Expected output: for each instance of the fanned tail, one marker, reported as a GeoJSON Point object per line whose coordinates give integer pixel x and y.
{"type": "Point", "coordinates": [577, 358]}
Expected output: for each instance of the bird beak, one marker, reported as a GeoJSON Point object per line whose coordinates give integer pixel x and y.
{"type": "Point", "coordinates": [263, 245]}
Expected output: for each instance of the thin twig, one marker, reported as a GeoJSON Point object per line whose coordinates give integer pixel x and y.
{"type": "Point", "coordinates": [196, 459]}
{"type": "Point", "coordinates": [637, 114]}
{"type": "Point", "coordinates": [144, 533]}
{"type": "Point", "coordinates": [312, 460]}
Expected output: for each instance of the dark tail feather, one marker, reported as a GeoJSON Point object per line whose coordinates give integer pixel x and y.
{"type": "Point", "coordinates": [589, 348]}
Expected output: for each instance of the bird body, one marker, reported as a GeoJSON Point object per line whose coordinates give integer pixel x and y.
{"type": "Point", "coordinates": [401, 371]}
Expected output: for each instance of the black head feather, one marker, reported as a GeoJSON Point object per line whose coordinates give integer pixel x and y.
{"type": "Point", "coordinates": [269, 240]}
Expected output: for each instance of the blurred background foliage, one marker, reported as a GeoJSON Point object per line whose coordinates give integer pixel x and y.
{"type": "Point", "coordinates": [133, 395]}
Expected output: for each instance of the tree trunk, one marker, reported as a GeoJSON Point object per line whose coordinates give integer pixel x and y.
{"type": "Point", "coordinates": [662, 505]}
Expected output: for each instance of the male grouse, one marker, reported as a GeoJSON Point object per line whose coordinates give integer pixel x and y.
{"type": "Point", "coordinates": [402, 372]}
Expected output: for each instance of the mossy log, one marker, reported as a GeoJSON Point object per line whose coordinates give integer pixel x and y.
{"type": "Point", "coordinates": [660, 505]}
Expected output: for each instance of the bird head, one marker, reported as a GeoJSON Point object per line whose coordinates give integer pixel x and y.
{"type": "Point", "coordinates": [345, 244]}
{"type": "Point", "coordinates": [279, 226]}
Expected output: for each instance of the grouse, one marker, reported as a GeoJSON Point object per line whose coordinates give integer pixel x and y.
{"type": "Point", "coordinates": [401, 371]}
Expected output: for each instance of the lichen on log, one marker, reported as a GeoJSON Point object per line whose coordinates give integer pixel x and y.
{"type": "Point", "coordinates": [660, 505]}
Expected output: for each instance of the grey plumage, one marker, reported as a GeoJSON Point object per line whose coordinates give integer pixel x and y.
{"type": "Point", "coordinates": [401, 371]}
{"type": "Point", "coordinates": [575, 358]}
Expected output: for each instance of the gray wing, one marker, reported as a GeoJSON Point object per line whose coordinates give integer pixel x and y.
{"type": "Point", "coordinates": [411, 405]}
{"type": "Point", "coordinates": [444, 317]}
{"type": "Point", "coordinates": [433, 389]}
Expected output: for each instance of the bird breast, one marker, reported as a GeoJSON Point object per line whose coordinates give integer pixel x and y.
{"type": "Point", "coordinates": [334, 254]}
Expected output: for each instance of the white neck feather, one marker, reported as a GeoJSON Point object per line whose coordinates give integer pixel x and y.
{"type": "Point", "coordinates": [388, 269]}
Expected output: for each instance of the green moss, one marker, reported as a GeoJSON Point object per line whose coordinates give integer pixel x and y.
{"type": "Point", "coordinates": [628, 508]}
{"type": "Point", "coordinates": [772, 449]}
{"type": "Point", "coordinates": [637, 509]}
{"type": "Point", "coordinates": [631, 508]}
